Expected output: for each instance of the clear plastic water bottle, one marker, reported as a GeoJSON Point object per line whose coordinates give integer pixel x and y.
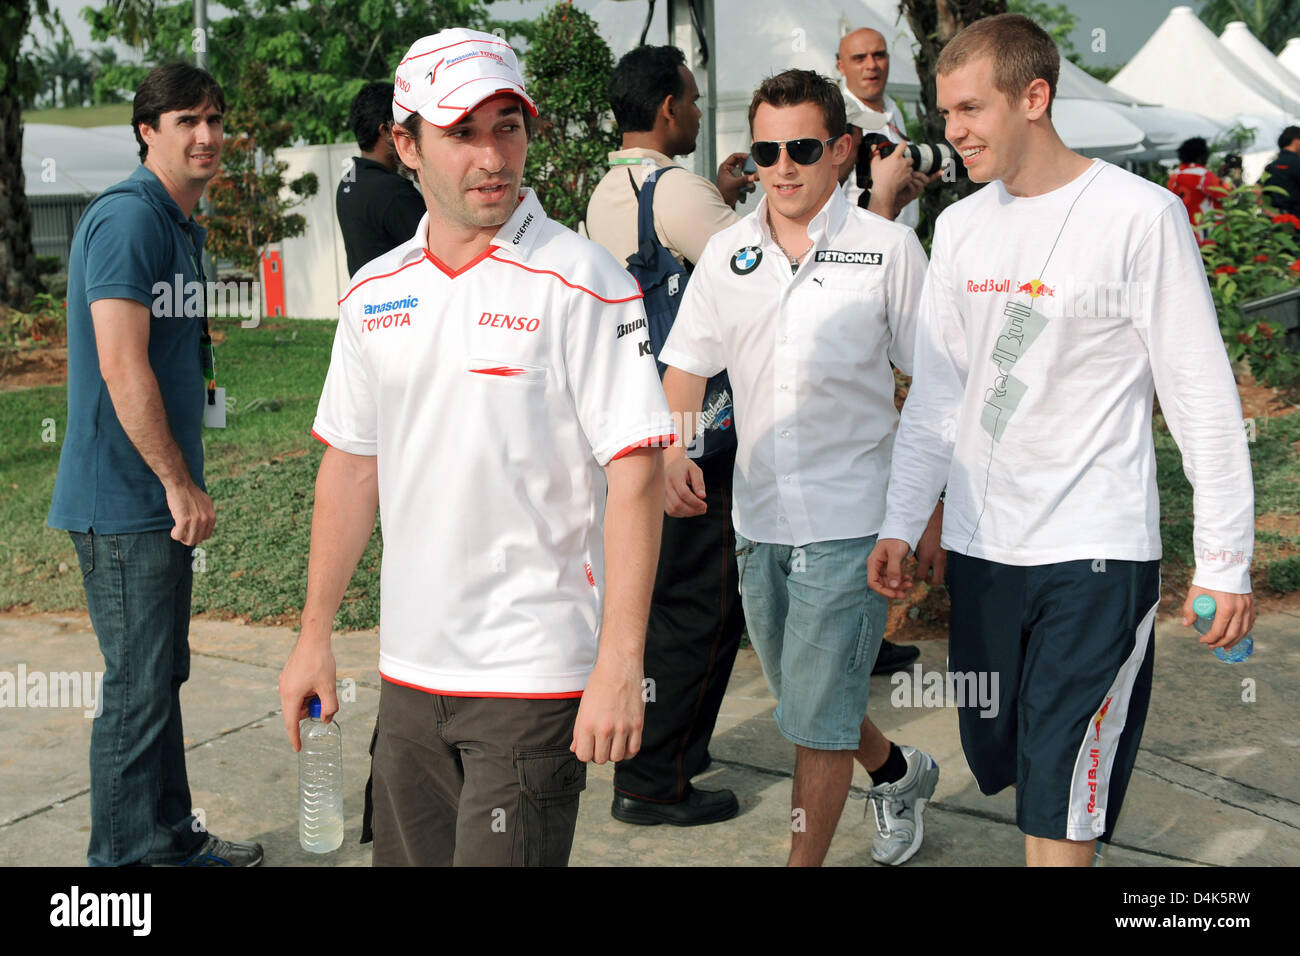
{"type": "Point", "coordinates": [1204, 608]}
{"type": "Point", "coordinates": [320, 783]}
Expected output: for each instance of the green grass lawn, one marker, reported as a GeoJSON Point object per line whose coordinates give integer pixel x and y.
{"type": "Point", "coordinates": [107, 114]}
{"type": "Point", "coordinates": [261, 472]}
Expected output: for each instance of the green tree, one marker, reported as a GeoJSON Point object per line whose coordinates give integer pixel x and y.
{"type": "Point", "coordinates": [934, 24]}
{"type": "Point", "coordinates": [249, 208]}
{"type": "Point", "coordinates": [18, 275]}
{"type": "Point", "coordinates": [1057, 20]}
{"type": "Point", "coordinates": [65, 74]}
{"type": "Point", "coordinates": [131, 21]}
{"type": "Point", "coordinates": [1272, 21]}
{"type": "Point", "coordinates": [103, 64]}
{"type": "Point", "coordinates": [317, 53]}
{"type": "Point", "coordinates": [567, 74]}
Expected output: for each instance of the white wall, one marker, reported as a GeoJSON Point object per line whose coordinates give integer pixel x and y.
{"type": "Point", "coordinates": [315, 263]}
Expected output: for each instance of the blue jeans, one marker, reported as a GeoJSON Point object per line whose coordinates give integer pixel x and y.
{"type": "Point", "coordinates": [816, 628]}
{"type": "Point", "coordinates": [138, 594]}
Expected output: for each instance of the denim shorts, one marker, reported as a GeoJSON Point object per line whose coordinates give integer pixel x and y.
{"type": "Point", "coordinates": [817, 628]}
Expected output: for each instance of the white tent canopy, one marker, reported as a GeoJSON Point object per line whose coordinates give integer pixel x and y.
{"type": "Point", "coordinates": [59, 160]}
{"type": "Point", "coordinates": [1184, 65]}
{"type": "Point", "coordinates": [1290, 57]}
{"type": "Point", "coordinates": [1095, 128]}
{"type": "Point", "coordinates": [1076, 83]}
{"type": "Point", "coordinates": [1238, 38]}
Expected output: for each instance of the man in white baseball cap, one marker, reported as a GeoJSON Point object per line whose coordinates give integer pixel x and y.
{"type": "Point", "coordinates": [491, 378]}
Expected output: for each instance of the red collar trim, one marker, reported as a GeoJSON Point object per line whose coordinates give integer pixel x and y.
{"type": "Point", "coordinates": [452, 273]}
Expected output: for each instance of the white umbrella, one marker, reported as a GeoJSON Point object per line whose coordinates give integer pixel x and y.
{"type": "Point", "coordinates": [1184, 65]}
{"type": "Point", "coordinates": [1290, 57]}
{"type": "Point", "coordinates": [1237, 37]}
{"type": "Point", "coordinates": [1094, 128]}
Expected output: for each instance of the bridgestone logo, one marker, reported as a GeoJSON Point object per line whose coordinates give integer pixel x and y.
{"type": "Point", "coordinates": [626, 327]}
{"type": "Point", "coordinates": [850, 258]}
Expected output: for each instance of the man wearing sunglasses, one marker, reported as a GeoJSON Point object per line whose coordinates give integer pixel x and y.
{"type": "Point", "coordinates": [805, 302]}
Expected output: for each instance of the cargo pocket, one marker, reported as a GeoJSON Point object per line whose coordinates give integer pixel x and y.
{"type": "Point", "coordinates": [368, 815]}
{"type": "Point", "coordinates": [866, 646]}
{"type": "Point", "coordinates": [550, 780]}
{"type": "Point", "coordinates": [84, 542]}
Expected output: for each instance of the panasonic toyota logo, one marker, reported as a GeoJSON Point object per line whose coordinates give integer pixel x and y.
{"type": "Point", "coordinates": [410, 302]}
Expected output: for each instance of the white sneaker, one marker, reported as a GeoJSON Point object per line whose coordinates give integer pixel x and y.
{"type": "Point", "coordinates": [898, 807]}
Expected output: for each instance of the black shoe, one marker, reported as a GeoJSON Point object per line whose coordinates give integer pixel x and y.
{"type": "Point", "coordinates": [894, 657]}
{"type": "Point", "coordinates": [698, 807]}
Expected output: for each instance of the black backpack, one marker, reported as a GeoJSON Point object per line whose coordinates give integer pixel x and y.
{"type": "Point", "coordinates": [663, 282]}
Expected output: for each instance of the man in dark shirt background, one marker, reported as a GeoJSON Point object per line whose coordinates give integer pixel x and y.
{"type": "Point", "coordinates": [377, 207]}
{"type": "Point", "coordinates": [1285, 172]}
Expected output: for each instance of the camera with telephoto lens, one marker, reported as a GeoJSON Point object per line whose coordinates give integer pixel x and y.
{"type": "Point", "coordinates": [926, 158]}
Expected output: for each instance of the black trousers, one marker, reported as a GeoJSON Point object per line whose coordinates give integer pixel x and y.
{"type": "Point", "coordinates": [691, 642]}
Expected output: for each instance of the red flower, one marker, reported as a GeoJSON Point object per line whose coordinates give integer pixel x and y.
{"type": "Point", "coordinates": [1260, 258]}
{"type": "Point", "coordinates": [1265, 330]}
{"type": "Point", "coordinates": [1225, 271]}
{"type": "Point", "coordinates": [1243, 338]}
{"type": "Point", "coordinates": [1286, 218]}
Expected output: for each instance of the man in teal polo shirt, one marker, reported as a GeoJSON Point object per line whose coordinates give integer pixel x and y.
{"type": "Point", "coordinates": [130, 484]}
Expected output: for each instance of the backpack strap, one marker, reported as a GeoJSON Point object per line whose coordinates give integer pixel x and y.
{"type": "Point", "coordinates": [646, 238]}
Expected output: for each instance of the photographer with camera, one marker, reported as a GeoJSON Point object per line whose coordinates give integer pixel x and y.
{"type": "Point", "coordinates": [863, 61]}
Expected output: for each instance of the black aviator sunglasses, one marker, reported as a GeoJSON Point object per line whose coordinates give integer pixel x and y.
{"type": "Point", "coordinates": [805, 152]}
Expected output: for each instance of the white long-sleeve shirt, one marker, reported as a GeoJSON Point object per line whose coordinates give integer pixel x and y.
{"type": "Point", "coordinates": [1046, 324]}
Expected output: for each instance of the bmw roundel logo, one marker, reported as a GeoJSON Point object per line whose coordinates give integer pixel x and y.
{"type": "Point", "coordinates": [746, 260]}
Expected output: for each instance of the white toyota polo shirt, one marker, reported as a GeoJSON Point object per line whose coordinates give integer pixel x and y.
{"type": "Point", "coordinates": [493, 395]}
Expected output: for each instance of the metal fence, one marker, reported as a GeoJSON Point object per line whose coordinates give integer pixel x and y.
{"type": "Point", "coordinates": [54, 220]}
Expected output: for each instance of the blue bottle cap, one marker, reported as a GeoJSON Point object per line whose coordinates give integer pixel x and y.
{"type": "Point", "coordinates": [313, 708]}
{"type": "Point", "coordinates": [1204, 606]}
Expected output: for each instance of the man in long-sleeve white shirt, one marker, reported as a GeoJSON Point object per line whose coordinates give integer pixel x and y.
{"type": "Point", "coordinates": [1058, 299]}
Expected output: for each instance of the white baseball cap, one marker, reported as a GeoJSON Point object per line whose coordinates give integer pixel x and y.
{"type": "Point", "coordinates": [864, 118]}
{"type": "Point", "coordinates": [444, 76]}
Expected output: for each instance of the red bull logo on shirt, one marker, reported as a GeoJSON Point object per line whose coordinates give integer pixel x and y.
{"type": "Point", "coordinates": [988, 285]}
{"type": "Point", "coordinates": [1072, 296]}
{"type": "Point", "coordinates": [1035, 288]}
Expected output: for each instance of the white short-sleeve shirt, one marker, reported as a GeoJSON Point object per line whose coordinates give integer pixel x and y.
{"type": "Point", "coordinates": [493, 395]}
{"type": "Point", "coordinates": [808, 355]}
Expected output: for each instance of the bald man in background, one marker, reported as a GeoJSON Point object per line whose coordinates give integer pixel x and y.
{"type": "Point", "coordinates": [863, 62]}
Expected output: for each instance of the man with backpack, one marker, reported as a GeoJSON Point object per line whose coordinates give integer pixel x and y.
{"type": "Point", "coordinates": [695, 614]}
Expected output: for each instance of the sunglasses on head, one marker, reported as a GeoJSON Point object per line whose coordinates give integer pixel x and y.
{"type": "Point", "coordinates": [805, 152]}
